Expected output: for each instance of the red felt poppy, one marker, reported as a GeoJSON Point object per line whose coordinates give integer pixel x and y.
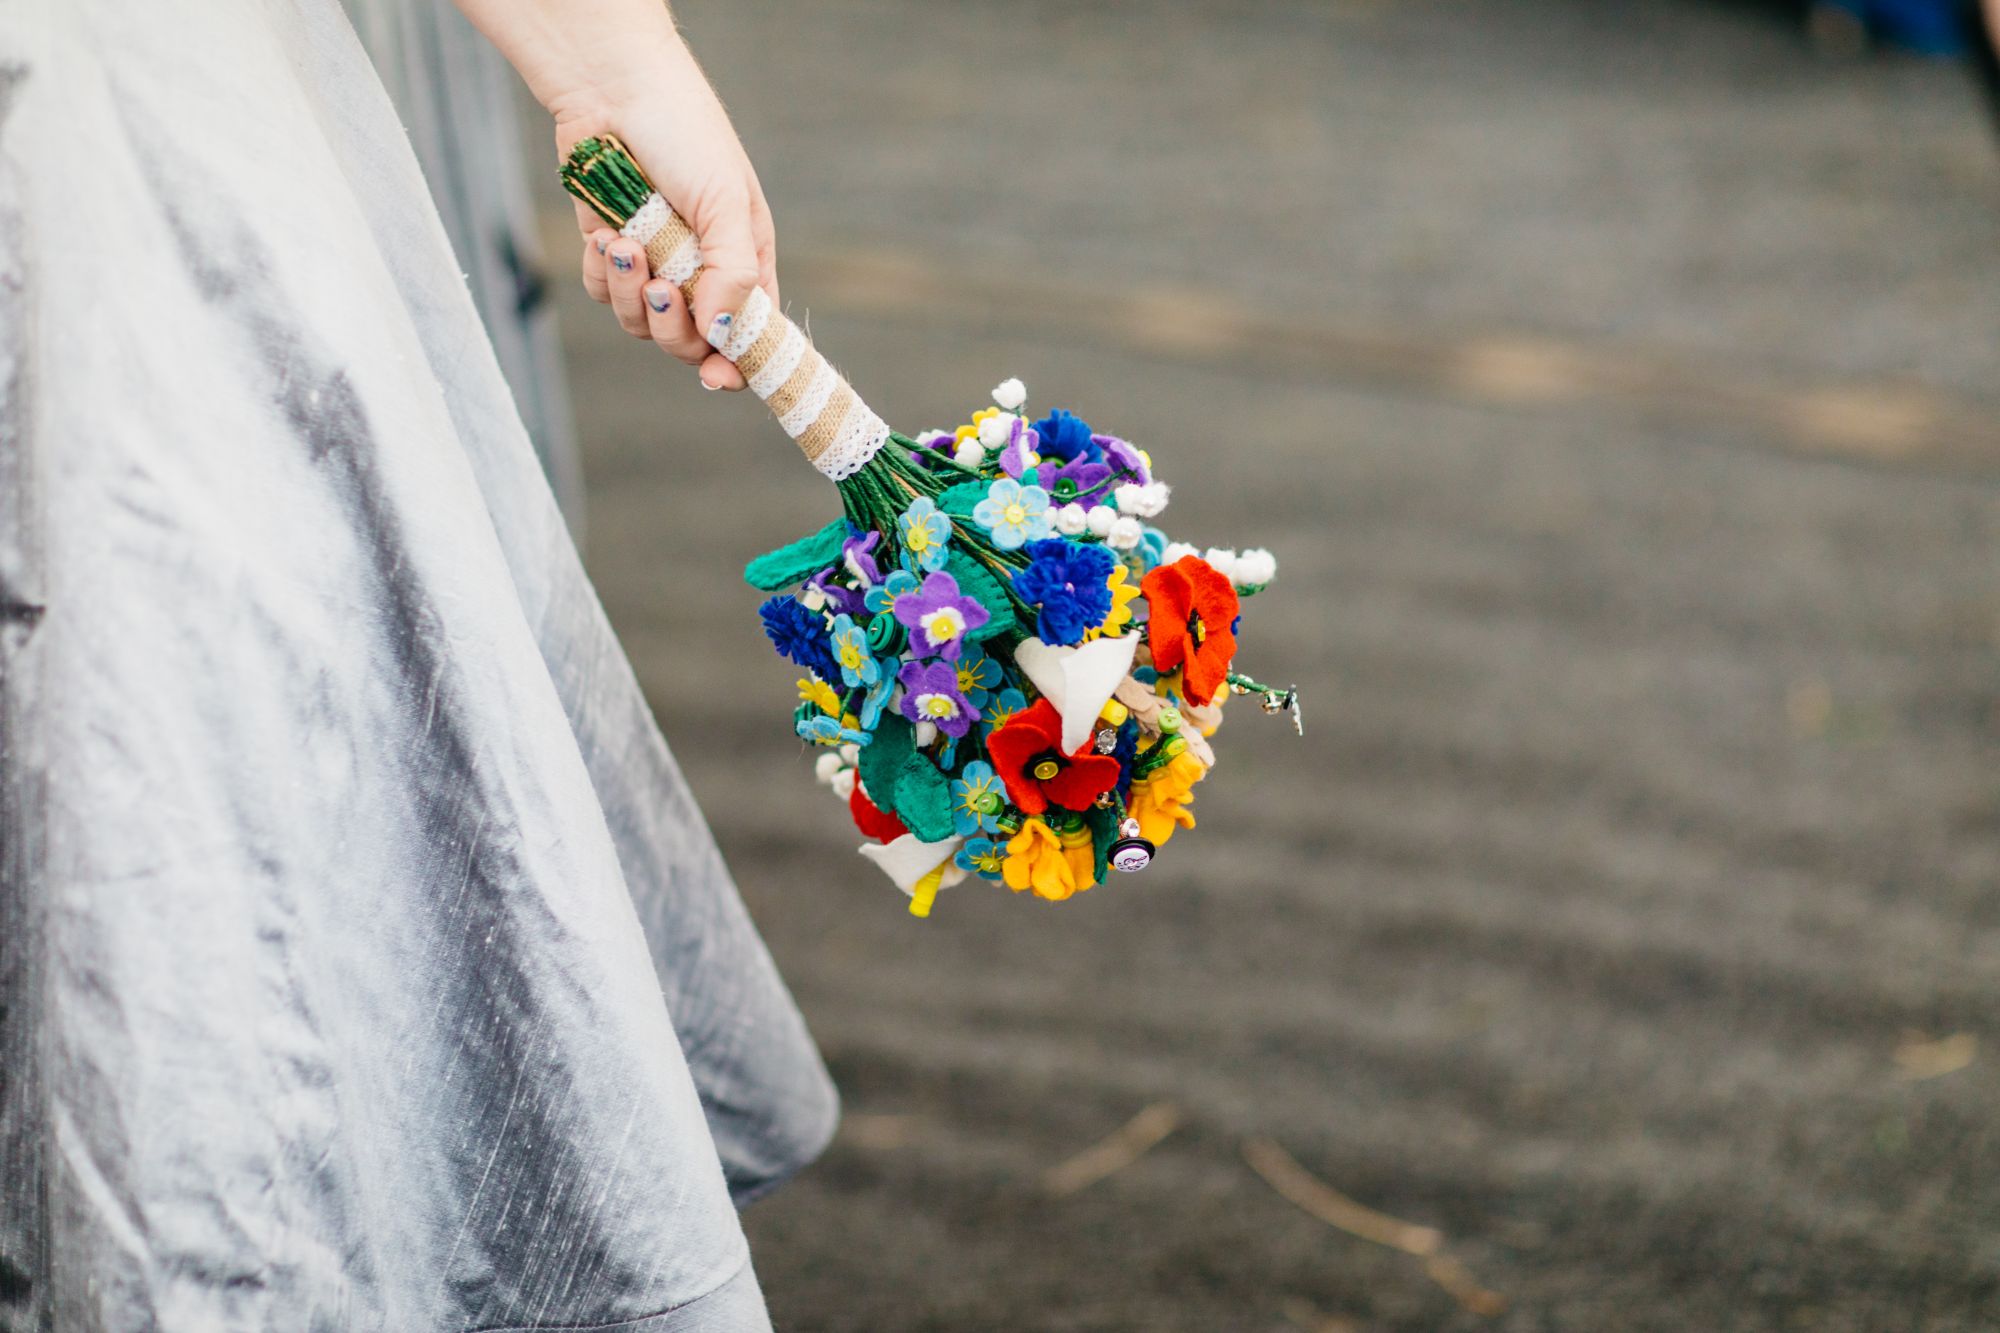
{"type": "Point", "coordinates": [1191, 624]}
{"type": "Point", "coordinates": [1027, 754]}
{"type": "Point", "coordinates": [873, 821]}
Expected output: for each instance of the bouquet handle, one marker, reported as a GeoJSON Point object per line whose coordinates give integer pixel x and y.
{"type": "Point", "coordinates": [813, 402]}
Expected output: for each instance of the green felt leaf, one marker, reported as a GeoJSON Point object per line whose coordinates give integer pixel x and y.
{"type": "Point", "coordinates": [882, 760]}
{"type": "Point", "coordinates": [923, 799]}
{"type": "Point", "coordinates": [962, 498]}
{"type": "Point", "coordinates": [978, 583]}
{"type": "Point", "coordinates": [1103, 832]}
{"type": "Point", "coordinates": [774, 571]}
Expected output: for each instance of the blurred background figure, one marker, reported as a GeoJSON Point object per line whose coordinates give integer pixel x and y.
{"type": "Point", "coordinates": [1620, 949]}
{"type": "Point", "coordinates": [455, 97]}
{"type": "Point", "coordinates": [1931, 27]}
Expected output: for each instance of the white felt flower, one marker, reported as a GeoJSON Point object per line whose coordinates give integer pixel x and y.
{"type": "Point", "coordinates": [1009, 394]}
{"type": "Point", "coordinates": [1255, 568]}
{"type": "Point", "coordinates": [1072, 520]}
{"type": "Point", "coordinates": [996, 430]}
{"type": "Point", "coordinates": [1222, 560]}
{"type": "Point", "coordinates": [1125, 534]}
{"type": "Point", "coordinates": [1147, 501]}
{"type": "Point", "coordinates": [1100, 519]}
{"type": "Point", "coordinates": [1177, 551]}
{"type": "Point", "coordinates": [843, 783]}
{"type": "Point", "coordinates": [908, 859]}
{"type": "Point", "coordinates": [970, 453]}
{"type": "Point", "coordinates": [1077, 681]}
{"type": "Point", "coordinates": [827, 765]}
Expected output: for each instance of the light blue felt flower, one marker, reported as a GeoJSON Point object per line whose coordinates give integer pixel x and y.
{"type": "Point", "coordinates": [982, 856]}
{"type": "Point", "coordinates": [977, 675]}
{"type": "Point", "coordinates": [926, 534]}
{"type": "Point", "coordinates": [877, 698]}
{"type": "Point", "coordinates": [882, 597]}
{"type": "Point", "coordinates": [823, 730]}
{"type": "Point", "coordinates": [1014, 514]}
{"type": "Point", "coordinates": [977, 798]}
{"type": "Point", "coordinates": [996, 714]}
{"type": "Point", "coordinates": [850, 653]}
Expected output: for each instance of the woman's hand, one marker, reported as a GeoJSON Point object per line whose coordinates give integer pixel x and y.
{"type": "Point", "coordinates": [619, 67]}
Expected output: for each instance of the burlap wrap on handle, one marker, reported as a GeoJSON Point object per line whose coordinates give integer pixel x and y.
{"type": "Point", "coordinates": [817, 407]}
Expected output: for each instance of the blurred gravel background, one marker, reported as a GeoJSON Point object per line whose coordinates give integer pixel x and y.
{"type": "Point", "coordinates": [1612, 381]}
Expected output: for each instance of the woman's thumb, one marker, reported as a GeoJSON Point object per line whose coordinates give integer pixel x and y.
{"type": "Point", "coordinates": [729, 268]}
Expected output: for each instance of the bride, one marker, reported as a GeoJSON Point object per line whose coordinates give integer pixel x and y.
{"type": "Point", "coordinates": [364, 960]}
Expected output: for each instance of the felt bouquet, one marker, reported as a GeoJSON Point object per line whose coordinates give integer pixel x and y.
{"type": "Point", "coordinates": [1013, 672]}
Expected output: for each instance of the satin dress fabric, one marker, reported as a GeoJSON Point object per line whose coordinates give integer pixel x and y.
{"type": "Point", "coordinates": [364, 960]}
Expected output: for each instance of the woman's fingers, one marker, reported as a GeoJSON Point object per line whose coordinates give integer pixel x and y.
{"type": "Point", "coordinates": [718, 373]}
{"type": "Point", "coordinates": [594, 247]}
{"type": "Point", "coordinates": [670, 325]}
{"type": "Point", "coordinates": [627, 280]}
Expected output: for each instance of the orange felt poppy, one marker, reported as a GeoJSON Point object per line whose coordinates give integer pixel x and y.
{"type": "Point", "coordinates": [1027, 754]}
{"type": "Point", "coordinates": [1191, 624]}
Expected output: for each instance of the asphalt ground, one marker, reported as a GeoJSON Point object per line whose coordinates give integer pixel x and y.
{"type": "Point", "coordinates": [1613, 384]}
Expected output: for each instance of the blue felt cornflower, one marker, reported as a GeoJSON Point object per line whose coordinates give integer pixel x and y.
{"type": "Point", "coordinates": [1065, 435]}
{"type": "Point", "coordinates": [798, 634]}
{"type": "Point", "coordinates": [882, 597]}
{"type": "Point", "coordinates": [1015, 514]}
{"type": "Point", "coordinates": [926, 533]}
{"type": "Point", "coordinates": [977, 799]}
{"type": "Point", "coordinates": [982, 857]}
{"type": "Point", "coordinates": [850, 652]}
{"type": "Point", "coordinates": [1069, 583]}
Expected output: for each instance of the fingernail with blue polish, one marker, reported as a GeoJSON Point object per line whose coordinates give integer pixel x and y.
{"type": "Point", "coordinates": [718, 332]}
{"type": "Point", "coordinates": [659, 301]}
{"type": "Point", "coordinates": [623, 263]}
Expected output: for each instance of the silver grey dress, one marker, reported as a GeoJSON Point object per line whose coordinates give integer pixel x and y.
{"type": "Point", "coordinates": [364, 962]}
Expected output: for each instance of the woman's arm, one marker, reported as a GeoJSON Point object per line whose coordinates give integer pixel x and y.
{"type": "Point", "coordinates": [619, 66]}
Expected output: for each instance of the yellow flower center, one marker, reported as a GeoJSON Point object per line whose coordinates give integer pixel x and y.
{"type": "Point", "coordinates": [1047, 770]}
{"type": "Point", "coordinates": [937, 705]}
{"type": "Point", "coordinates": [1016, 515]}
{"type": "Point", "coordinates": [944, 626]}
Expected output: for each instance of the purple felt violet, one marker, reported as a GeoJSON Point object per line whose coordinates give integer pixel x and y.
{"type": "Point", "coordinates": [839, 596]}
{"type": "Point", "coordinates": [1085, 483]}
{"type": "Point", "coordinates": [1123, 456]}
{"type": "Point", "coordinates": [1021, 441]}
{"type": "Point", "coordinates": [930, 694]}
{"type": "Point", "coordinates": [939, 616]}
{"type": "Point", "coordinates": [855, 553]}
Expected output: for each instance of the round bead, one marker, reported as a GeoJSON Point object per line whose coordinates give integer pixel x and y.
{"type": "Point", "coordinates": [1170, 719]}
{"type": "Point", "coordinates": [1047, 770]}
{"type": "Point", "coordinates": [1115, 713]}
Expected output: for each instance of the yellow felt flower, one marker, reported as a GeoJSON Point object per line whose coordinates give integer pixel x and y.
{"type": "Point", "coordinates": [815, 691]}
{"type": "Point", "coordinates": [1123, 594]}
{"type": "Point", "coordinates": [971, 432]}
{"type": "Point", "coordinates": [1160, 800]}
{"type": "Point", "coordinates": [1035, 861]}
{"type": "Point", "coordinates": [1082, 857]}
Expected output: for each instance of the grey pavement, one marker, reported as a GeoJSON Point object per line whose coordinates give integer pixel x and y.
{"type": "Point", "coordinates": [1612, 382]}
